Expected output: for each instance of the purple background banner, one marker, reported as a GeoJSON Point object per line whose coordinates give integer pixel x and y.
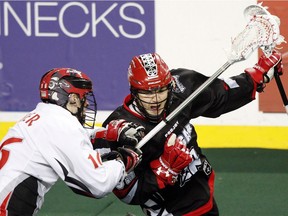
{"type": "Point", "coordinates": [96, 37]}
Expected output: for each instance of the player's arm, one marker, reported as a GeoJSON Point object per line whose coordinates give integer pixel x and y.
{"type": "Point", "coordinates": [93, 174]}
{"type": "Point", "coordinates": [242, 89]}
{"type": "Point", "coordinates": [232, 93]}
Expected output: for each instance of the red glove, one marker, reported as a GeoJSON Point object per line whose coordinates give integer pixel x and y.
{"type": "Point", "coordinates": [260, 70]}
{"type": "Point", "coordinates": [127, 133]}
{"type": "Point", "coordinates": [175, 158]}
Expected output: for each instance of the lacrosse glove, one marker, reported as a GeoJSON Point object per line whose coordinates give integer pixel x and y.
{"type": "Point", "coordinates": [261, 73]}
{"type": "Point", "coordinates": [127, 133]}
{"type": "Point", "coordinates": [130, 157]}
{"type": "Point", "coordinates": [176, 156]}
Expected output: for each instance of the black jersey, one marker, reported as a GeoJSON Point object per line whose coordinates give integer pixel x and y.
{"type": "Point", "coordinates": [193, 192]}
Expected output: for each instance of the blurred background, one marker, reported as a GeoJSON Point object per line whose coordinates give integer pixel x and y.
{"type": "Point", "coordinates": [248, 147]}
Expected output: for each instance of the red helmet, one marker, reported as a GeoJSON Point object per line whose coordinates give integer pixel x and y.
{"type": "Point", "coordinates": [148, 71]}
{"type": "Point", "coordinates": [57, 84]}
{"type": "Point", "coordinates": [67, 79]}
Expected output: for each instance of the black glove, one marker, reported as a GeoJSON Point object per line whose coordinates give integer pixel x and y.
{"type": "Point", "coordinates": [131, 134]}
{"type": "Point", "coordinates": [131, 158]}
{"type": "Point", "coordinates": [126, 133]}
{"type": "Point", "coordinates": [110, 156]}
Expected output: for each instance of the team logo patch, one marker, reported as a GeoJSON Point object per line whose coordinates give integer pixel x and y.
{"type": "Point", "coordinates": [206, 167]}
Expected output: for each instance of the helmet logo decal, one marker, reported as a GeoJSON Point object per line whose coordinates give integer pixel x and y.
{"type": "Point", "coordinates": [64, 84]}
{"type": "Point", "coordinates": [73, 71]}
{"type": "Point", "coordinates": [43, 94]}
{"type": "Point", "coordinates": [53, 82]}
{"type": "Point", "coordinates": [149, 65]}
{"type": "Point", "coordinates": [54, 96]}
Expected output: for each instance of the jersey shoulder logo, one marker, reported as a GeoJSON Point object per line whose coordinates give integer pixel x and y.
{"type": "Point", "coordinates": [179, 87]}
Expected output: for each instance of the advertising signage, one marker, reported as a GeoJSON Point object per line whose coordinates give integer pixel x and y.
{"type": "Point", "coordinates": [96, 37]}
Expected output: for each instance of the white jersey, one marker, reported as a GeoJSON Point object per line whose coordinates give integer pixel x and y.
{"type": "Point", "coordinates": [47, 144]}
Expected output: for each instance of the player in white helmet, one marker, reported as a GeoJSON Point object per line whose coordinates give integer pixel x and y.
{"type": "Point", "coordinates": [52, 142]}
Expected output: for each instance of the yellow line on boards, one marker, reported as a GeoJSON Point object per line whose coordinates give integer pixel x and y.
{"type": "Point", "coordinates": [272, 137]}
{"type": "Point", "coordinates": [218, 136]}
{"type": "Point", "coordinates": [4, 127]}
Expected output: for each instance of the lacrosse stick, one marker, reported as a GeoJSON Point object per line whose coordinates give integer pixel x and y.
{"type": "Point", "coordinates": [262, 31]}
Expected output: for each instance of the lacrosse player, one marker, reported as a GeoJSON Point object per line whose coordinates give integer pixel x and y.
{"type": "Point", "coordinates": [167, 181]}
{"type": "Point", "coordinates": [52, 142]}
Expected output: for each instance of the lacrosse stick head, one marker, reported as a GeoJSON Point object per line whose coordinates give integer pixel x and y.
{"type": "Point", "coordinates": [262, 31]}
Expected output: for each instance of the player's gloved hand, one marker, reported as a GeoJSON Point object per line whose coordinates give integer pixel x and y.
{"type": "Point", "coordinates": [176, 156]}
{"type": "Point", "coordinates": [131, 158]}
{"type": "Point", "coordinates": [261, 73]}
{"type": "Point", "coordinates": [113, 155]}
{"type": "Point", "coordinates": [127, 133]}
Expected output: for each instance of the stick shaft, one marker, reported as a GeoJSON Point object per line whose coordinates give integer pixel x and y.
{"type": "Point", "coordinates": [175, 112]}
{"type": "Point", "coordinates": [281, 89]}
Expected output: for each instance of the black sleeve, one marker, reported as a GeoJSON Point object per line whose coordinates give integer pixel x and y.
{"type": "Point", "coordinates": [217, 98]}
{"type": "Point", "coordinates": [229, 95]}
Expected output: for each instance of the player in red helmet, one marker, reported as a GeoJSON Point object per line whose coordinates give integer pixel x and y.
{"type": "Point", "coordinates": [72, 90]}
{"type": "Point", "coordinates": [168, 180]}
{"type": "Point", "coordinates": [51, 142]}
{"type": "Point", "coordinates": [151, 85]}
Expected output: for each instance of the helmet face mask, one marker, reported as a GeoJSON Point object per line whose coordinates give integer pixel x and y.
{"type": "Point", "coordinates": [89, 114]}
{"type": "Point", "coordinates": [58, 86]}
{"type": "Point", "coordinates": [152, 103]}
{"type": "Point", "coordinates": [149, 75]}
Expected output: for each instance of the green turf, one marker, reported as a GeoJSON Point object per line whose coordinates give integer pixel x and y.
{"type": "Point", "coordinates": [250, 182]}
{"type": "Point", "coordinates": [61, 201]}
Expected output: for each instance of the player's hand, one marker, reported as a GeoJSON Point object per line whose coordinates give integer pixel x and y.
{"type": "Point", "coordinates": [127, 133]}
{"type": "Point", "coordinates": [259, 72]}
{"type": "Point", "coordinates": [176, 156]}
{"type": "Point", "coordinates": [113, 155]}
{"type": "Point", "coordinates": [130, 157]}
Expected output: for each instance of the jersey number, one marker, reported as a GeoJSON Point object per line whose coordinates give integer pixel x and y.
{"type": "Point", "coordinates": [95, 160]}
{"type": "Point", "coordinates": [5, 153]}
